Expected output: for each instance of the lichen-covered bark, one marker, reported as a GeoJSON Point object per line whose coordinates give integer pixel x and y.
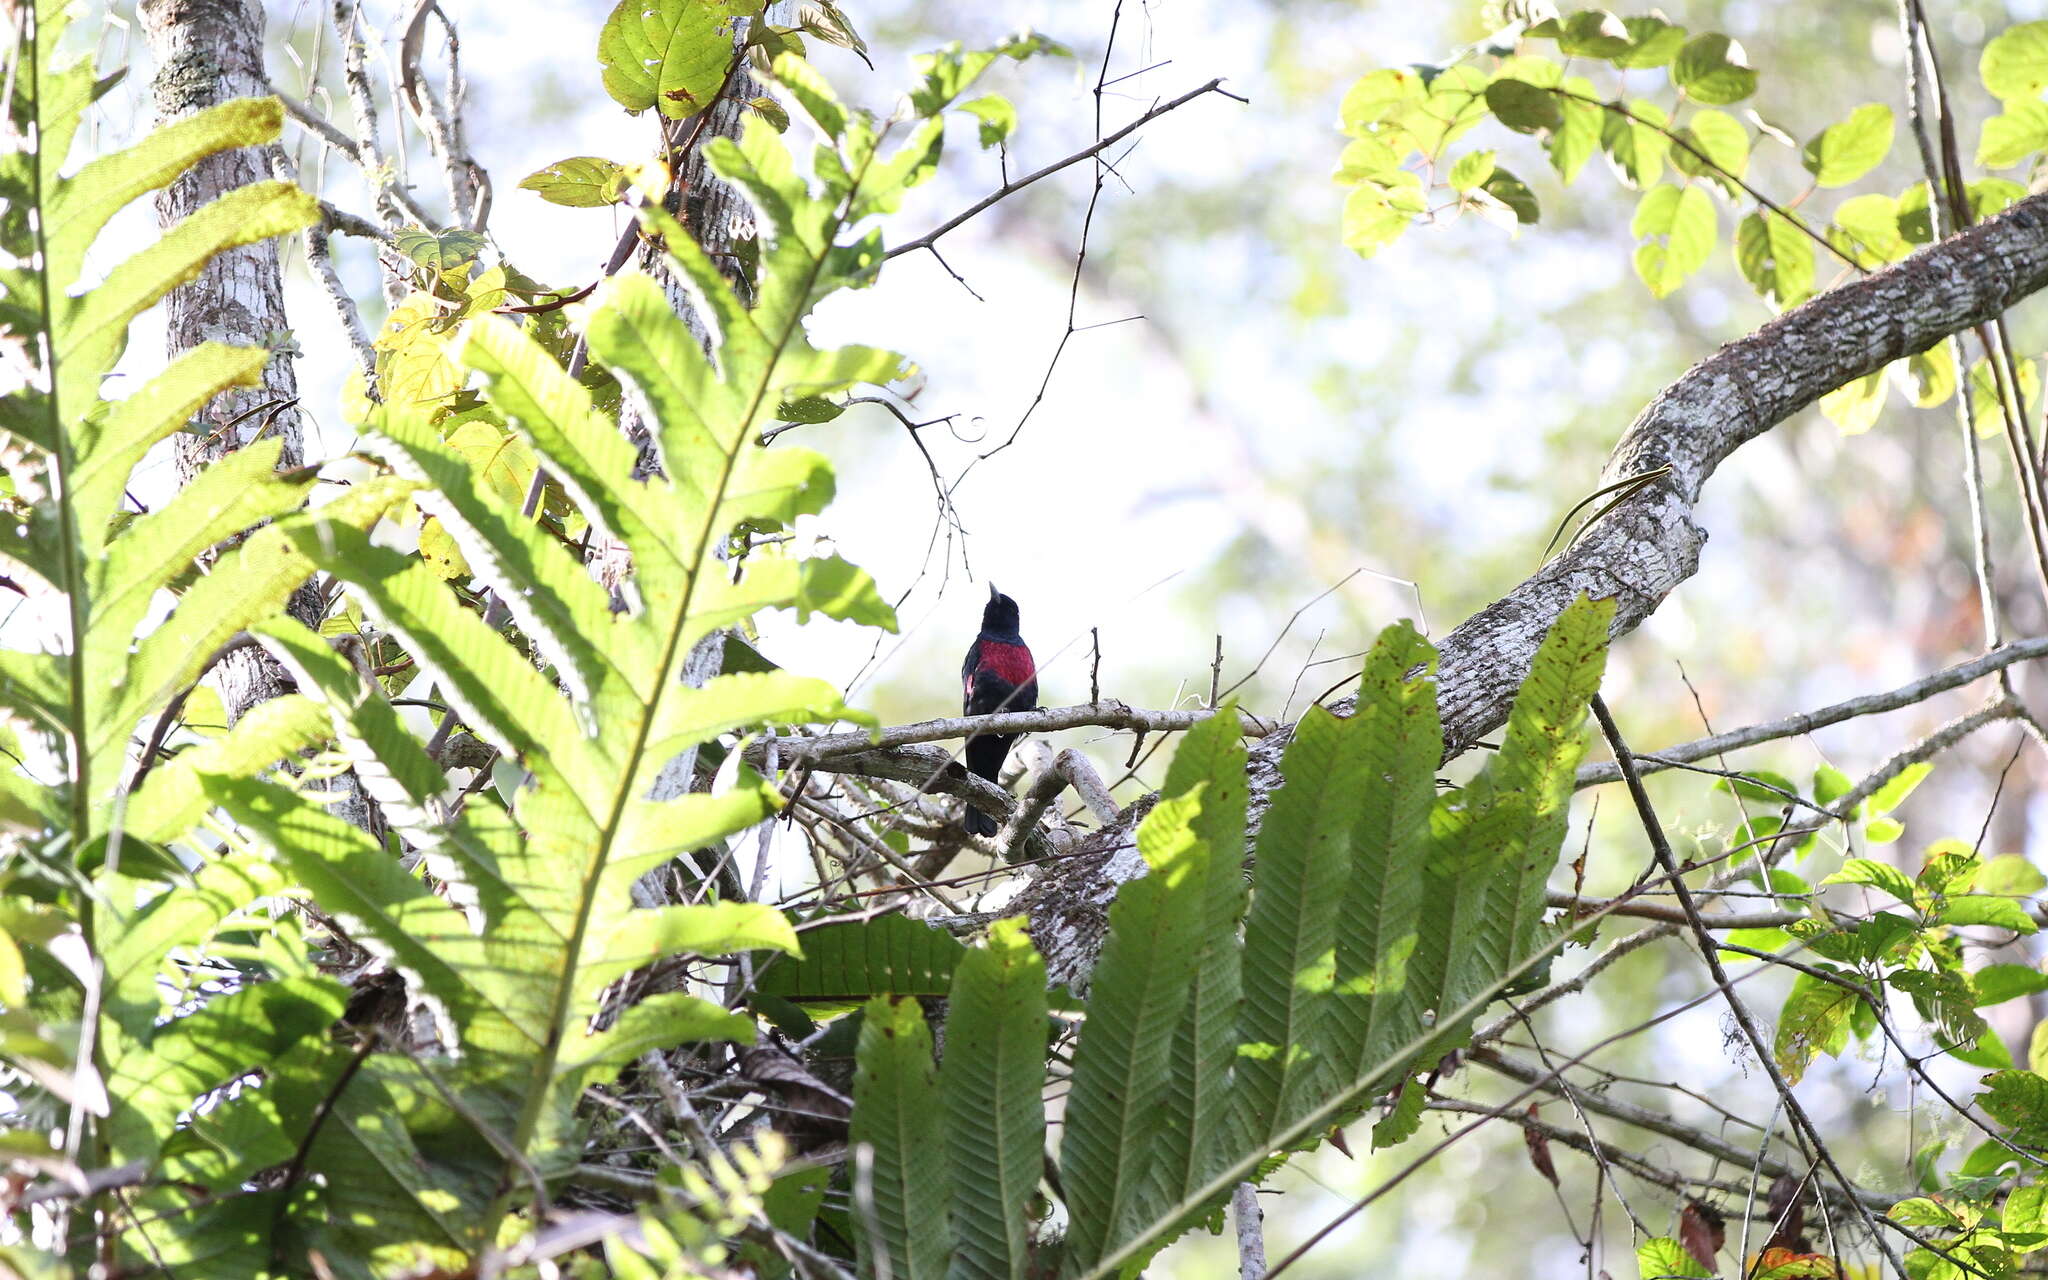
{"type": "Point", "coordinates": [1640, 551]}
{"type": "Point", "coordinates": [208, 52]}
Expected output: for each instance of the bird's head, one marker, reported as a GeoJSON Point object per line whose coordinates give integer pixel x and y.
{"type": "Point", "coordinates": [999, 615]}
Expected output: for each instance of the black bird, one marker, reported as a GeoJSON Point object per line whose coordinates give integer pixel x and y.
{"type": "Point", "coordinates": [998, 675]}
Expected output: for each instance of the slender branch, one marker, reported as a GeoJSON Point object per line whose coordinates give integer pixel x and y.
{"type": "Point", "coordinates": [1604, 1103]}
{"type": "Point", "coordinates": [1250, 1222]}
{"type": "Point", "coordinates": [1100, 145]}
{"type": "Point", "coordinates": [1710, 952]}
{"type": "Point", "coordinates": [1678, 139]}
{"type": "Point", "coordinates": [92, 1182]}
{"type": "Point", "coordinates": [1948, 735]}
{"type": "Point", "coordinates": [1109, 714]}
{"type": "Point", "coordinates": [1807, 721]}
{"type": "Point", "coordinates": [364, 158]}
{"type": "Point", "coordinates": [297, 1167]}
{"type": "Point", "coordinates": [176, 707]}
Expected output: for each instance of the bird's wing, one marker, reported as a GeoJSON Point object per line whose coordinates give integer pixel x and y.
{"type": "Point", "coordinates": [967, 669]}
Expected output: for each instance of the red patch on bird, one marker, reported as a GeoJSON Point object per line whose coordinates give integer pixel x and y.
{"type": "Point", "coordinates": [1008, 662]}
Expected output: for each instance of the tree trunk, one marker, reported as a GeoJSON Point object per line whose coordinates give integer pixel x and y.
{"type": "Point", "coordinates": [208, 52]}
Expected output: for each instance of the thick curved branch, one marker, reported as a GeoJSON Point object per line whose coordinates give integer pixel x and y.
{"type": "Point", "coordinates": [1645, 546]}
{"type": "Point", "coordinates": [1648, 544]}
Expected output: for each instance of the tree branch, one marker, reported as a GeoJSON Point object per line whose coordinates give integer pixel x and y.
{"type": "Point", "coordinates": [1645, 546]}
{"type": "Point", "coordinates": [1710, 952]}
{"type": "Point", "coordinates": [1869, 704]}
{"type": "Point", "coordinates": [1102, 715]}
{"type": "Point", "coordinates": [1606, 1104]}
{"type": "Point", "coordinates": [1649, 544]}
{"type": "Point", "coordinates": [1008, 189]}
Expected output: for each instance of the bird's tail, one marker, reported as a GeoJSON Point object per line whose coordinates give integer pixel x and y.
{"type": "Point", "coordinates": [985, 759]}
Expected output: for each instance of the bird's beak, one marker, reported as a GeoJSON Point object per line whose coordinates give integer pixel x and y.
{"type": "Point", "coordinates": [992, 592]}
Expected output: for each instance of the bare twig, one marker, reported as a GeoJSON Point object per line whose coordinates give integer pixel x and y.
{"type": "Point", "coordinates": [176, 706]}
{"type": "Point", "coordinates": [1806, 722]}
{"type": "Point", "coordinates": [1008, 189]}
{"type": "Point", "coordinates": [1710, 952]}
{"type": "Point", "coordinates": [1250, 1222]}
{"type": "Point", "coordinates": [1999, 709]}
{"type": "Point", "coordinates": [1109, 714]}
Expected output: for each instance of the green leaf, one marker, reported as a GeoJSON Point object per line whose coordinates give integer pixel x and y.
{"type": "Point", "coordinates": [1653, 42]}
{"type": "Point", "coordinates": [1378, 211]}
{"type": "Point", "coordinates": [205, 1049]}
{"type": "Point", "coordinates": [1987, 413]}
{"type": "Point", "coordinates": [1878, 875]}
{"type": "Point", "coordinates": [989, 1085]}
{"type": "Point", "coordinates": [1208, 766]}
{"type": "Point", "coordinates": [1634, 142]}
{"type": "Point", "coordinates": [953, 70]}
{"type": "Point", "coordinates": [439, 252]}
{"type": "Point", "coordinates": [1842, 153]}
{"type": "Point", "coordinates": [1982, 909]}
{"type": "Point", "coordinates": [897, 1118]}
{"type": "Point", "coordinates": [771, 111]}
{"type": "Point", "coordinates": [173, 797]}
{"type": "Point", "coordinates": [2011, 137]}
{"type": "Point", "coordinates": [888, 955]}
{"type": "Point", "coordinates": [2026, 1209]}
{"type": "Point", "coordinates": [1513, 194]}
{"type": "Point", "coordinates": [710, 929]}
{"type": "Point", "coordinates": [1829, 785]}
{"type": "Point", "coordinates": [998, 118]}
{"type": "Point", "coordinates": [2009, 874]}
{"type": "Point", "coordinates": [1925, 1211]}
{"type": "Point", "coordinates": [1815, 1019]}
{"type": "Point", "coordinates": [1756, 940]}
{"type": "Point", "coordinates": [1137, 994]}
{"type": "Point", "coordinates": [1377, 925]}
{"type": "Point", "coordinates": [1366, 159]}
{"type": "Point", "coordinates": [1712, 144]}
{"type": "Point", "coordinates": [1457, 102]}
{"type": "Point", "coordinates": [1576, 140]}
{"type": "Point", "coordinates": [580, 182]}
{"type": "Point", "coordinates": [1661, 1258]}
{"type": "Point", "coordinates": [1404, 1119]}
{"type": "Point", "coordinates": [1472, 169]}
{"type": "Point", "coordinates": [1588, 33]}
{"type": "Point", "coordinates": [1522, 106]}
{"type": "Point", "coordinates": [2015, 62]}
{"type": "Point", "coordinates": [1856, 406]}
{"type": "Point", "coordinates": [1868, 227]}
{"type": "Point", "coordinates": [1518, 806]}
{"type": "Point", "coordinates": [1997, 983]}
{"type": "Point", "coordinates": [1776, 258]}
{"type": "Point", "coordinates": [1931, 376]}
{"type": "Point", "coordinates": [1379, 97]}
{"type": "Point", "coordinates": [2019, 1101]}
{"type": "Point", "coordinates": [1894, 792]}
{"type": "Point", "coordinates": [1290, 933]}
{"type": "Point", "coordinates": [1714, 70]}
{"type": "Point", "coordinates": [660, 1021]}
{"type": "Point", "coordinates": [670, 54]}
{"type": "Point", "coordinates": [1679, 225]}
